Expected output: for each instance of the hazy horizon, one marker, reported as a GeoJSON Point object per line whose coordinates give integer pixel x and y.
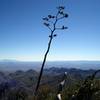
{"type": "Point", "coordinates": [47, 60]}
{"type": "Point", "coordinates": [11, 65]}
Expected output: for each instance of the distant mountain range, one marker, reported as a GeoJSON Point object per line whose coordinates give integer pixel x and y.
{"type": "Point", "coordinates": [13, 65]}
{"type": "Point", "coordinates": [51, 76]}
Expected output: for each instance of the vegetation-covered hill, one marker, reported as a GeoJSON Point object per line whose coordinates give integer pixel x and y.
{"type": "Point", "coordinates": [20, 85]}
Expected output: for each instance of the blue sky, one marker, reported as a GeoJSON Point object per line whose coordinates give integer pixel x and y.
{"type": "Point", "coordinates": [23, 36]}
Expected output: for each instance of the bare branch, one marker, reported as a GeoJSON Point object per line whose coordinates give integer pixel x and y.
{"type": "Point", "coordinates": [61, 18]}
{"type": "Point", "coordinates": [47, 25]}
{"type": "Point", "coordinates": [58, 28]}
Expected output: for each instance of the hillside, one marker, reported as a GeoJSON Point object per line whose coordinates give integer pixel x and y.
{"type": "Point", "coordinates": [25, 81]}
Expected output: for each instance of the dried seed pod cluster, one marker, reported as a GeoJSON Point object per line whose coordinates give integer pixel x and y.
{"type": "Point", "coordinates": [51, 20]}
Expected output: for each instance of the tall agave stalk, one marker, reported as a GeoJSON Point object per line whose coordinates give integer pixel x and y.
{"type": "Point", "coordinates": [51, 23]}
